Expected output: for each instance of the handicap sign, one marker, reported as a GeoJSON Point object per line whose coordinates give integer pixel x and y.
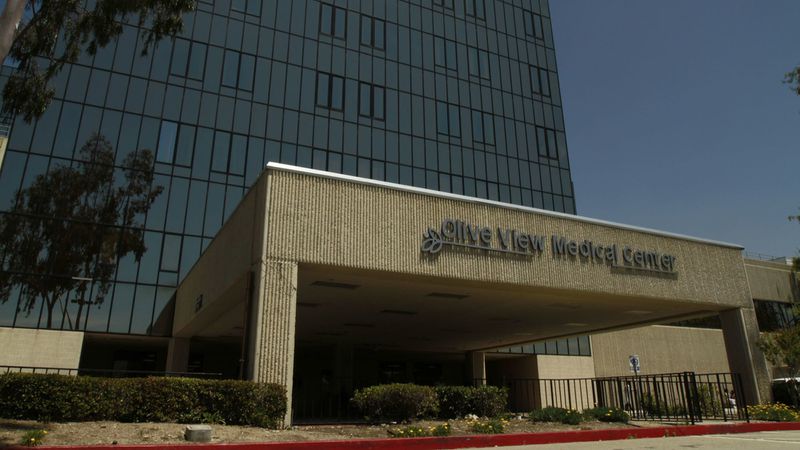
{"type": "Point", "coordinates": [634, 362]}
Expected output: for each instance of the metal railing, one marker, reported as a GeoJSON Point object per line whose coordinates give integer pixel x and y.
{"type": "Point", "coordinates": [765, 257]}
{"type": "Point", "coordinates": [112, 373]}
{"type": "Point", "coordinates": [679, 397]}
{"type": "Point", "coordinates": [684, 397]}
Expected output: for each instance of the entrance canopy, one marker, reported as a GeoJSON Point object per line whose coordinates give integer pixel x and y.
{"type": "Point", "coordinates": [316, 257]}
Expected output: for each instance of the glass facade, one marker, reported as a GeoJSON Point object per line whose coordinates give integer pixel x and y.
{"type": "Point", "coordinates": [460, 96]}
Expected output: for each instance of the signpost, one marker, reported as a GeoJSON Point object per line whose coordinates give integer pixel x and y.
{"type": "Point", "coordinates": [634, 362]}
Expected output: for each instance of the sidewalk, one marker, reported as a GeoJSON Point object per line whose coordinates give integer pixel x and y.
{"type": "Point", "coordinates": [475, 441]}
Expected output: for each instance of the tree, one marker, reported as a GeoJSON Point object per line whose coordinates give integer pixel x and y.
{"type": "Point", "coordinates": [782, 348]}
{"type": "Point", "coordinates": [796, 259]}
{"type": "Point", "coordinates": [792, 78]}
{"type": "Point", "coordinates": [44, 35]}
{"type": "Point", "coordinates": [72, 225]}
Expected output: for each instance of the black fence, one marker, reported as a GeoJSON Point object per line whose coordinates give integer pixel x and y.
{"type": "Point", "coordinates": [111, 373]}
{"type": "Point", "coordinates": [680, 397]}
{"type": "Point", "coordinates": [325, 400]}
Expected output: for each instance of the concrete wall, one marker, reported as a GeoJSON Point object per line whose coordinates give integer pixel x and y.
{"type": "Point", "coordinates": [222, 270]}
{"type": "Point", "coordinates": [661, 349]}
{"type": "Point", "coordinates": [3, 145]}
{"type": "Point", "coordinates": [771, 281]}
{"type": "Point", "coordinates": [538, 381]}
{"type": "Point", "coordinates": [363, 226]}
{"type": "Point", "coordinates": [40, 348]}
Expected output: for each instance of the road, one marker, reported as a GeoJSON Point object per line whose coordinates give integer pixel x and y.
{"type": "Point", "coordinates": [765, 440]}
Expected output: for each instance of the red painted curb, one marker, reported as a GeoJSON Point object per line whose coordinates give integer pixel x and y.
{"type": "Point", "coordinates": [450, 442]}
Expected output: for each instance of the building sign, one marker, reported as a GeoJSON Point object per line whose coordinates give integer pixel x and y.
{"type": "Point", "coordinates": [460, 234]}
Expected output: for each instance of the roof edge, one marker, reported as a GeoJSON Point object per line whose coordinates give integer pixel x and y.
{"type": "Point", "coordinates": [446, 195]}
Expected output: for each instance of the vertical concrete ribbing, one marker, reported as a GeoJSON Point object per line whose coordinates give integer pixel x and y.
{"type": "Point", "coordinates": [273, 359]}
{"type": "Point", "coordinates": [740, 331]}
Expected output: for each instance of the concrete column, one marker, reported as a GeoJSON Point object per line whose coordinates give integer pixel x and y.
{"type": "Point", "coordinates": [740, 332]}
{"type": "Point", "coordinates": [476, 367]}
{"type": "Point", "coordinates": [178, 355]}
{"type": "Point", "coordinates": [272, 331]}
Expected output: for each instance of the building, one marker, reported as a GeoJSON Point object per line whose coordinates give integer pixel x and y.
{"type": "Point", "coordinates": [452, 108]}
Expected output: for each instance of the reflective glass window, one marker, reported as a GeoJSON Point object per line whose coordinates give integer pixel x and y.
{"type": "Point", "coordinates": [166, 141]}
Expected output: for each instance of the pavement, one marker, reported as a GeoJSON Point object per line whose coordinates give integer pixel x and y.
{"type": "Point", "coordinates": [756, 435]}
{"type": "Point", "coordinates": [764, 440]}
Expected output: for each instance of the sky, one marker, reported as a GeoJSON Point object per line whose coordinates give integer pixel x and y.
{"type": "Point", "coordinates": [677, 118]}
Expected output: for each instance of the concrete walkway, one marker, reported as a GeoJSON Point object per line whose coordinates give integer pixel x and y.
{"type": "Point", "coordinates": [765, 440]}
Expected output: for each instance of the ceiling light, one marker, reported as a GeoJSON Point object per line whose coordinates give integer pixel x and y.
{"type": "Point", "coordinates": [307, 304]}
{"type": "Point", "coordinates": [399, 312]}
{"type": "Point", "coordinates": [447, 295]}
{"type": "Point", "coordinates": [360, 325]}
{"type": "Point", "coordinates": [563, 306]}
{"type": "Point", "coordinates": [334, 284]}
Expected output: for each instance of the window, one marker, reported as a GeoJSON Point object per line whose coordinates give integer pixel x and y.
{"type": "Point", "coordinates": [330, 91]}
{"type": "Point", "coordinates": [166, 142]}
{"type": "Point", "coordinates": [476, 9]}
{"type": "Point", "coordinates": [533, 25]}
{"type": "Point", "coordinates": [478, 63]}
{"type": "Point", "coordinates": [482, 127]}
{"type": "Point", "coordinates": [447, 120]}
{"type": "Point", "coordinates": [372, 32]}
{"type": "Point", "coordinates": [540, 81]}
{"type": "Point", "coordinates": [445, 53]}
{"type": "Point", "coordinates": [252, 7]}
{"type": "Point", "coordinates": [773, 316]}
{"type": "Point", "coordinates": [371, 101]}
{"type": "Point", "coordinates": [237, 70]}
{"type": "Point", "coordinates": [546, 140]}
{"type": "Point", "coordinates": [188, 59]}
{"type": "Point", "coordinates": [332, 21]}
{"type": "Point", "coordinates": [444, 3]}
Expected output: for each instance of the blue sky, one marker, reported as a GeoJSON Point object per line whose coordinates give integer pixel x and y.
{"type": "Point", "coordinates": [677, 117]}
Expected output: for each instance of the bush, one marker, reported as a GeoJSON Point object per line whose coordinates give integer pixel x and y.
{"type": "Point", "coordinates": [708, 401]}
{"type": "Point", "coordinates": [459, 401]}
{"type": "Point", "coordinates": [70, 398]}
{"type": "Point", "coordinates": [33, 438]}
{"type": "Point", "coordinates": [554, 414]}
{"type": "Point", "coordinates": [776, 412]}
{"type": "Point", "coordinates": [396, 402]}
{"type": "Point", "coordinates": [438, 430]}
{"type": "Point", "coordinates": [607, 414]}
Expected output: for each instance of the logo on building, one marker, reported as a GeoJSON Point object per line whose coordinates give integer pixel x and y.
{"type": "Point", "coordinates": [459, 234]}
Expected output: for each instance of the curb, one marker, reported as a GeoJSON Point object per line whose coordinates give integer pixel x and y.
{"type": "Point", "coordinates": [451, 442]}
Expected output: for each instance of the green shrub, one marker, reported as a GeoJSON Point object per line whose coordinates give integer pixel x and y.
{"type": "Point", "coordinates": [555, 414]}
{"type": "Point", "coordinates": [607, 414]}
{"type": "Point", "coordinates": [708, 401]}
{"type": "Point", "coordinates": [405, 432]}
{"type": "Point", "coordinates": [396, 402]}
{"type": "Point", "coordinates": [459, 401]}
{"type": "Point", "coordinates": [33, 438]}
{"type": "Point", "coordinates": [70, 398]}
{"type": "Point", "coordinates": [491, 426]}
{"type": "Point", "coordinates": [776, 412]}
{"type": "Point", "coordinates": [572, 417]}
